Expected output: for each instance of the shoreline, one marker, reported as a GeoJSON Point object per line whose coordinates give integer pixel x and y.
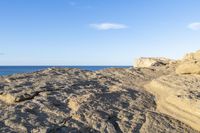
{"type": "Point", "coordinates": [150, 97]}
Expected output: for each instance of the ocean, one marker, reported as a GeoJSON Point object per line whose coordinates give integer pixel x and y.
{"type": "Point", "coordinates": [9, 70]}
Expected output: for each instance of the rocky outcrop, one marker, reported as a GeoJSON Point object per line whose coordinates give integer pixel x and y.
{"type": "Point", "coordinates": [178, 96]}
{"type": "Point", "coordinates": [189, 67]}
{"type": "Point", "coordinates": [178, 93]}
{"type": "Point", "coordinates": [192, 56]}
{"type": "Point", "coordinates": [151, 98]}
{"type": "Point", "coordinates": [150, 62]}
{"type": "Point", "coordinates": [190, 64]}
{"type": "Point", "coordinates": [73, 100]}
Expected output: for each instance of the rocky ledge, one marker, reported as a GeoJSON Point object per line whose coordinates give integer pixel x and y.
{"type": "Point", "coordinates": [158, 95]}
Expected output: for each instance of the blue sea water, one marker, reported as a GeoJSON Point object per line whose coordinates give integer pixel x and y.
{"type": "Point", "coordinates": [8, 70]}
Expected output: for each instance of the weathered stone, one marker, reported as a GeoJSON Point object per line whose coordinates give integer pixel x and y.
{"type": "Point", "coordinates": [110, 100]}
{"type": "Point", "coordinates": [189, 67]}
{"type": "Point", "coordinates": [150, 62]}
{"type": "Point", "coordinates": [192, 56]}
{"type": "Point", "coordinates": [178, 96]}
{"type": "Point", "coordinates": [7, 98]}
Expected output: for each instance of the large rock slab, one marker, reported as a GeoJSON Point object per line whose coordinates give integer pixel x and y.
{"type": "Point", "coordinates": [178, 96]}
{"type": "Point", "coordinates": [73, 100]}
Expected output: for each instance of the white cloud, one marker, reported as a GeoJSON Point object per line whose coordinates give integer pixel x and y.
{"type": "Point", "coordinates": [194, 26]}
{"type": "Point", "coordinates": [108, 26]}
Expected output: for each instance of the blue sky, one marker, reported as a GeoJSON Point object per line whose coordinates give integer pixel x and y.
{"type": "Point", "coordinates": [96, 32]}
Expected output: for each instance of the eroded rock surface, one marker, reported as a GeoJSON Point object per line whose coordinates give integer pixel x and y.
{"type": "Point", "coordinates": [192, 56]}
{"type": "Point", "coordinates": [115, 100]}
{"type": "Point", "coordinates": [178, 93]}
{"type": "Point", "coordinates": [179, 97]}
{"type": "Point", "coordinates": [189, 67]}
{"type": "Point", "coordinates": [71, 100]}
{"type": "Point", "coordinates": [149, 62]}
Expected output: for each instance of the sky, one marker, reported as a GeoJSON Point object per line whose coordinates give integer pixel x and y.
{"type": "Point", "coordinates": [96, 32]}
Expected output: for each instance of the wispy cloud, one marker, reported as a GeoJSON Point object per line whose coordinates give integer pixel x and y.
{"type": "Point", "coordinates": [108, 26]}
{"type": "Point", "coordinates": [194, 26]}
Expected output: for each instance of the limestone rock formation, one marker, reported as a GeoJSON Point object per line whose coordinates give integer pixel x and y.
{"type": "Point", "coordinates": [190, 64]}
{"type": "Point", "coordinates": [151, 98]}
{"type": "Point", "coordinates": [178, 94]}
{"type": "Point", "coordinates": [149, 62]}
{"type": "Point", "coordinates": [192, 56]}
{"type": "Point", "coordinates": [189, 67]}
